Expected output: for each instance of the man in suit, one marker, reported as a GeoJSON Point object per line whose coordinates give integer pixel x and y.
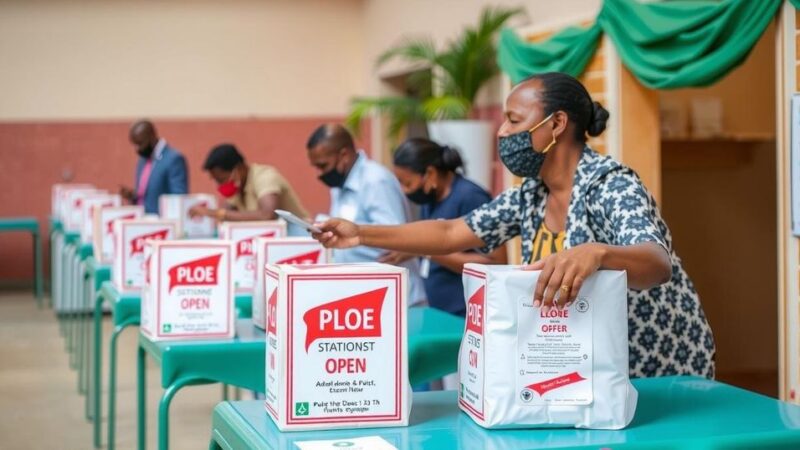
{"type": "Point", "coordinates": [161, 169]}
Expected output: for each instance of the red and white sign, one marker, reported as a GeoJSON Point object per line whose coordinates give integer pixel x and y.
{"type": "Point", "coordinates": [188, 292]}
{"type": "Point", "coordinates": [522, 367]}
{"type": "Point", "coordinates": [336, 346]}
{"type": "Point", "coordinates": [58, 197]}
{"type": "Point", "coordinates": [88, 206]}
{"type": "Point", "coordinates": [103, 229]}
{"type": "Point", "coordinates": [130, 237]}
{"type": "Point", "coordinates": [243, 235]}
{"type": "Point", "coordinates": [176, 207]}
{"type": "Point", "coordinates": [72, 206]}
{"type": "Point", "coordinates": [295, 251]}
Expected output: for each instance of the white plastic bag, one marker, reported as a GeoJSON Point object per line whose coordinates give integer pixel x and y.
{"type": "Point", "coordinates": [519, 368]}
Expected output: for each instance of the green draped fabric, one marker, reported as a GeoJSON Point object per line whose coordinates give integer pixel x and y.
{"type": "Point", "coordinates": [568, 51]}
{"type": "Point", "coordinates": [670, 44]}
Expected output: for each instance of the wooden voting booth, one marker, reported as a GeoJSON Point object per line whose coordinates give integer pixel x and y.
{"type": "Point", "coordinates": [725, 195]}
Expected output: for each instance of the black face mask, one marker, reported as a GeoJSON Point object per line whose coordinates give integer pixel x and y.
{"type": "Point", "coordinates": [333, 178]}
{"type": "Point", "coordinates": [420, 197]}
{"type": "Point", "coordinates": [146, 150]}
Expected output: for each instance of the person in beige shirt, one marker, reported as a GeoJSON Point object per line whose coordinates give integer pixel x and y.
{"type": "Point", "coordinates": [252, 191]}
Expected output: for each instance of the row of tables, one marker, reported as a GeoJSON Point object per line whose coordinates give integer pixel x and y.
{"type": "Point", "coordinates": [673, 412]}
{"type": "Point", "coordinates": [83, 287]}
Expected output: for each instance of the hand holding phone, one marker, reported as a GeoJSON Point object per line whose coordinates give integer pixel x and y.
{"type": "Point", "coordinates": [289, 217]}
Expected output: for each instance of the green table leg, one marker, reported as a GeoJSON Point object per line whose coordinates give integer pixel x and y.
{"type": "Point", "coordinates": [81, 335]}
{"type": "Point", "coordinates": [112, 380]}
{"type": "Point", "coordinates": [141, 396]}
{"type": "Point", "coordinates": [91, 350]}
{"type": "Point", "coordinates": [163, 407]}
{"type": "Point", "coordinates": [64, 293]}
{"type": "Point", "coordinates": [97, 355]}
{"type": "Point", "coordinates": [37, 269]}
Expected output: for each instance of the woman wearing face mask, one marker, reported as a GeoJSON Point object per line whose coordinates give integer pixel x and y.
{"type": "Point", "coordinates": [428, 174]}
{"type": "Point", "coordinates": [252, 191]}
{"type": "Point", "coordinates": [578, 212]}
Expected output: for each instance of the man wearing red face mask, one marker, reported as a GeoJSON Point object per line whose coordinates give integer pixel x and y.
{"type": "Point", "coordinates": [252, 191]}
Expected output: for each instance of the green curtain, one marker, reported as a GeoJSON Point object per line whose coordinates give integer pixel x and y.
{"type": "Point", "coordinates": [568, 51]}
{"type": "Point", "coordinates": [670, 44]}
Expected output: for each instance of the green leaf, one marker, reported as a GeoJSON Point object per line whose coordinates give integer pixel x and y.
{"type": "Point", "coordinates": [459, 71]}
{"type": "Point", "coordinates": [446, 107]}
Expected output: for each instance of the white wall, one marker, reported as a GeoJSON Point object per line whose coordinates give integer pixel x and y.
{"type": "Point", "coordinates": [94, 59]}
{"type": "Point", "coordinates": [180, 58]}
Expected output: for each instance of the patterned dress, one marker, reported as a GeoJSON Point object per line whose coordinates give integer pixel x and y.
{"type": "Point", "coordinates": [668, 333]}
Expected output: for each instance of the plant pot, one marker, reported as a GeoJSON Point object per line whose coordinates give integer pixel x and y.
{"type": "Point", "coordinates": [474, 140]}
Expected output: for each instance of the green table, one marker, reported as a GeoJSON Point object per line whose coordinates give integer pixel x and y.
{"type": "Point", "coordinates": [673, 413]}
{"type": "Point", "coordinates": [28, 225]}
{"type": "Point", "coordinates": [433, 342]}
{"type": "Point", "coordinates": [125, 308]}
{"type": "Point", "coordinates": [238, 362]}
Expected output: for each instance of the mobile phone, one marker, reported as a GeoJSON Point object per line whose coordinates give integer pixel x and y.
{"type": "Point", "coordinates": [289, 217]}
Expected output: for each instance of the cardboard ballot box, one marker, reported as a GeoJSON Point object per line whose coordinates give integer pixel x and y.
{"type": "Point", "coordinates": [103, 229]}
{"type": "Point", "coordinates": [243, 235]}
{"type": "Point", "coordinates": [336, 346]}
{"type": "Point", "coordinates": [188, 290]}
{"type": "Point", "coordinates": [71, 207]}
{"type": "Point", "coordinates": [88, 206]}
{"type": "Point", "coordinates": [130, 237]}
{"type": "Point", "coordinates": [296, 251]}
{"type": "Point", "coordinates": [58, 197]}
{"type": "Point", "coordinates": [176, 207]}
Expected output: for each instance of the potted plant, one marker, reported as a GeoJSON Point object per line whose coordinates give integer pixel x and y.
{"type": "Point", "coordinates": [444, 94]}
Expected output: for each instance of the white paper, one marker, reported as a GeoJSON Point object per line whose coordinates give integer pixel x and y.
{"type": "Point", "coordinates": [362, 443]}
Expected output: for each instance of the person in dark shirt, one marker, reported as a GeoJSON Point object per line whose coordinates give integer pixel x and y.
{"type": "Point", "coordinates": [429, 176]}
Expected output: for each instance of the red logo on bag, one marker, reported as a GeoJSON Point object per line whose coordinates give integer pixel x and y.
{"type": "Point", "coordinates": [110, 223]}
{"type": "Point", "coordinates": [245, 246]}
{"type": "Point", "coordinates": [303, 258]}
{"type": "Point", "coordinates": [350, 317]}
{"type": "Point", "coordinates": [475, 311]}
{"type": "Point", "coordinates": [137, 244]}
{"type": "Point", "coordinates": [544, 386]}
{"type": "Point", "coordinates": [200, 272]}
{"type": "Point", "coordinates": [272, 312]}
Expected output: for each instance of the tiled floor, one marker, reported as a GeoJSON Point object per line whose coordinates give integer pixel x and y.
{"type": "Point", "coordinates": [40, 407]}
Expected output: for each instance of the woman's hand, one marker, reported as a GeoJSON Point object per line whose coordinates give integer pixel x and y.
{"type": "Point", "coordinates": [395, 258]}
{"type": "Point", "coordinates": [564, 273]}
{"type": "Point", "coordinates": [338, 233]}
